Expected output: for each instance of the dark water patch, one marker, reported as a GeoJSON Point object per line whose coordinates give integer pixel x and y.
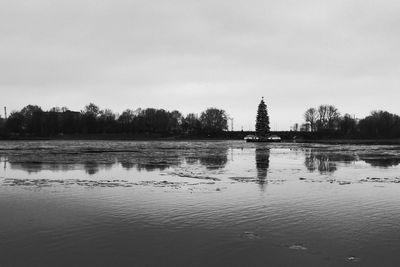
{"type": "Point", "coordinates": [99, 183]}
{"type": "Point", "coordinates": [312, 180]}
{"type": "Point", "coordinates": [244, 179]}
{"type": "Point", "coordinates": [328, 180]}
{"type": "Point", "coordinates": [250, 236]}
{"type": "Point", "coordinates": [392, 180]}
{"type": "Point", "coordinates": [382, 161]}
{"type": "Point", "coordinates": [65, 182]}
{"type": "Point", "coordinates": [194, 176]}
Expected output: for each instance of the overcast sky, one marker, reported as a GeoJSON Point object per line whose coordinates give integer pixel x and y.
{"type": "Point", "coordinates": [189, 55]}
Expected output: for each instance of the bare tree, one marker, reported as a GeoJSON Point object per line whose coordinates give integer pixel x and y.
{"type": "Point", "coordinates": [333, 117]}
{"type": "Point", "coordinates": [322, 120]}
{"type": "Point", "coordinates": [328, 116]}
{"type": "Point", "coordinates": [311, 116]}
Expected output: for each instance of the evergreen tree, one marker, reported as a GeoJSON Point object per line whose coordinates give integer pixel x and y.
{"type": "Point", "coordinates": [262, 122]}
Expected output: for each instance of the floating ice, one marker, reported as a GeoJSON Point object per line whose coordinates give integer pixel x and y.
{"type": "Point", "coordinates": [297, 247]}
{"type": "Point", "coordinates": [353, 259]}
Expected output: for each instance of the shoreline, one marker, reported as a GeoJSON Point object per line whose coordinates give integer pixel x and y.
{"type": "Point", "coordinates": [177, 139]}
{"type": "Point", "coordinates": [352, 141]}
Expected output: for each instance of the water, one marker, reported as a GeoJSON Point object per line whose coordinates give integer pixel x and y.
{"type": "Point", "coordinates": [228, 203]}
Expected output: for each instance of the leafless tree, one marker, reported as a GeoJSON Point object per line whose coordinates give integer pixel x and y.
{"type": "Point", "coordinates": [328, 116]}
{"type": "Point", "coordinates": [311, 116]}
{"type": "Point", "coordinates": [333, 117]}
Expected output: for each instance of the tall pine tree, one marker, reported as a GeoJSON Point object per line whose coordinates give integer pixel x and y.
{"type": "Point", "coordinates": [262, 121]}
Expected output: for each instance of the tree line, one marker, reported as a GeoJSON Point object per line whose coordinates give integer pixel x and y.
{"type": "Point", "coordinates": [33, 121]}
{"type": "Point", "coordinates": [327, 118]}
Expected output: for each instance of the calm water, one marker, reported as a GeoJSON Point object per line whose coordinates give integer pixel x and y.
{"type": "Point", "coordinates": [78, 203]}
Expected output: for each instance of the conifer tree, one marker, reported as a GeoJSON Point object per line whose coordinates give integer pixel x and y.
{"type": "Point", "coordinates": [262, 121]}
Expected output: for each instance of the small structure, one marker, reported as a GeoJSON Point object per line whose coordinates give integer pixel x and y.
{"type": "Point", "coordinates": [274, 138]}
{"type": "Point", "coordinates": [256, 139]}
{"type": "Point", "coordinates": [251, 138]}
{"type": "Point", "coordinates": [306, 127]}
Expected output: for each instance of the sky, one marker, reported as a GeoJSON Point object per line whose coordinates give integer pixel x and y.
{"type": "Point", "coordinates": [190, 55]}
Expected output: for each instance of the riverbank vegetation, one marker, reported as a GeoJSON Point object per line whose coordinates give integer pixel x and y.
{"type": "Point", "coordinates": [327, 121]}
{"type": "Point", "coordinates": [322, 123]}
{"type": "Point", "coordinates": [33, 121]}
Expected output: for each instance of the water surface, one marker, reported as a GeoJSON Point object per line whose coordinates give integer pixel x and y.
{"type": "Point", "coordinates": [92, 203]}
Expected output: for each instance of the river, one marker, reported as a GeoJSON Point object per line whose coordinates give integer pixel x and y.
{"type": "Point", "coordinates": [217, 203]}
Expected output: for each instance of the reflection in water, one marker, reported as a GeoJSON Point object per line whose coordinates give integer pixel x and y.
{"type": "Point", "coordinates": [91, 167]}
{"type": "Point", "coordinates": [29, 166]}
{"type": "Point", "coordinates": [153, 166]}
{"type": "Point", "coordinates": [94, 157]}
{"type": "Point", "coordinates": [3, 160]}
{"type": "Point", "coordinates": [92, 162]}
{"type": "Point", "coordinates": [214, 158]}
{"type": "Point", "coordinates": [381, 161]}
{"type": "Point", "coordinates": [319, 161]}
{"type": "Point", "coordinates": [211, 158]}
{"type": "Point", "coordinates": [129, 218]}
{"type": "Point", "coordinates": [262, 165]}
{"type": "Point", "coordinates": [147, 161]}
{"type": "Point", "coordinates": [325, 161]}
{"type": "Point", "coordinates": [37, 166]}
{"type": "Point", "coordinates": [127, 165]}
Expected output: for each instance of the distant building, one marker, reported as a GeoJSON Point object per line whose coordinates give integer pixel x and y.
{"type": "Point", "coordinates": [306, 127]}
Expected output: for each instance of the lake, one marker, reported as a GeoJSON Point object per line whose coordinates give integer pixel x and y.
{"type": "Point", "coordinates": [217, 203]}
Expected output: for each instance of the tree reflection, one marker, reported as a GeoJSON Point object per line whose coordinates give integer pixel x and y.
{"type": "Point", "coordinates": [29, 166]}
{"type": "Point", "coordinates": [152, 167]}
{"type": "Point", "coordinates": [215, 158]}
{"type": "Point", "coordinates": [325, 161]}
{"type": "Point", "coordinates": [127, 164]}
{"type": "Point", "coordinates": [212, 157]}
{"type": "Point", "coordinates": [322, 162]}
{"type": "Point", "coordinates": [149, 161]}
{"type": "Point", "coordinates": [91, 167]}
{"type": "Point", "coordinates": [262, 165]}
{"type": "Point", "coordinates": [381, 161]}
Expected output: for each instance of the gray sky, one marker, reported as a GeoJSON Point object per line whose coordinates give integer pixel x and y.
{"type": "Point", "coordinates": [190, 55]}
